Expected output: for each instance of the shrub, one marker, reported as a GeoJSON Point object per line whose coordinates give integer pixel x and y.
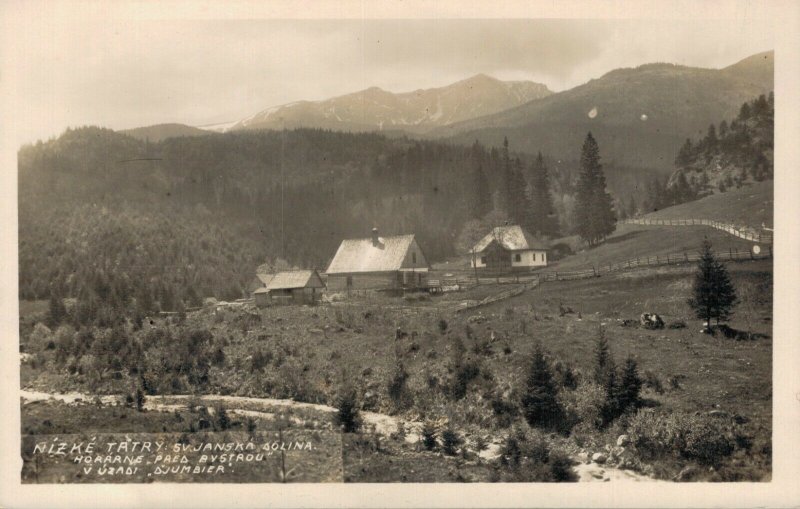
{"type": "Point", "coordinates": [139, 399]}
{"type": "Point", "coordinates": [257, 361]}
{"type": "Point", "coordinates": [218, 358]}
{"type": "Point", "coordinates": [40, 336]}
{"type": "Point", "coordinates": [348, 416]}
{"type": "Point", "coordinates": [464, 374]}
{"type": "Point", "coordinates": [566, 376]}
{"type": "Point", "coordinates": [511, 451]}
{"type": "Point", "coordinates": [429, 435]}
{"type": "Point", "coordinates": [528, 457]}
{"type": "Point", "coordinates": [698, 437]}
{"type": "Point", "coordinates": [561, 467]}
{"type": "Point", "coordinates": [652, 381]}
{"type": "Point", "coordinates": [584, 405]}
{"type": "Point", "coordinates": [504, 411]}
{"type": "Point", "coordinates": [707, 442]}
{"type": "Point", "coordinates": [450, 441]}
{"type": "Point", "coordinates": [397, 389]}
{"type": "Point", "coordinates": [223, 421]}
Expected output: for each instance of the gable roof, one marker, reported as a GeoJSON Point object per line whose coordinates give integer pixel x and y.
{"type": "Point", "coordinates": [265, 278]}
{"type": "Point", "coordinates": [511, 238]}
{"type": "Point", "coordinates": [293, 279]}
{"type": "Point", "coordinates": [360, 255]}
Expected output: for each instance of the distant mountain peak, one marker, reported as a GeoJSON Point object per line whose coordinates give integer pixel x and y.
{"type": "Point", "coordinates": [377, 109]}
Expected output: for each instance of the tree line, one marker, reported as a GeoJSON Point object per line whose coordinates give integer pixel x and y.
{"type": "Point", "coordinates": [104, 215]}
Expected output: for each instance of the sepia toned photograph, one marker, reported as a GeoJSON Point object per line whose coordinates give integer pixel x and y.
{"type": "Point", "coordinates": [396, 251]}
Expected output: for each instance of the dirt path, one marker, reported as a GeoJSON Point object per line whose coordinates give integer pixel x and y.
{"type": "Point", "coordinates": [266, 408]}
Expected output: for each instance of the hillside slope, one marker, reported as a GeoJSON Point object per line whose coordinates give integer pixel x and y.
{"type": "Point", "coordinates": [751, 205]}
{"type": "Point", "coordinates": [639, 116]}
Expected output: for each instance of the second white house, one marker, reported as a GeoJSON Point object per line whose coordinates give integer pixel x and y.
{"type": "Point", "coordinates": [508, 248]}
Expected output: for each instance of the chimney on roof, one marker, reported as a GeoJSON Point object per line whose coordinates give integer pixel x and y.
{"type": "Point", "coordinates": [375, 238]}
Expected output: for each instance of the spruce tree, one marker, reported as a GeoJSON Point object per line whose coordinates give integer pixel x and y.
{"type": "Point", "coordinates": [603, 363]}
{"type": "Point", "coordinates": [610, 409]}
{"type": "Point", "coordinates": [57, 312]}
{"type": "Point", "coordinates": [594, 209]}
{"type": "Point", "coordinates": [481, 196]}
{"type": "Point", "coordinates": [540, 397]}
{"type": "Point", "coordinates": [711, 139]}
{"type": "Point", "coordinates": [515, 200]}
{"type": "Point", "coordinates": [630, 386]}
{"type": "Point", "coordinates": [685, 154]}
{"type": "Point", "coordinates": [541, 213]}
{"type": "Point", "coordinates": [713, 294]}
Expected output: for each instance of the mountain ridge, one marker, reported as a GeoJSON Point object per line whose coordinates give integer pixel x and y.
{"type": "Point", "coordinates": [419, 110]}
{"type": "Point", "coordinates": [652, 107]}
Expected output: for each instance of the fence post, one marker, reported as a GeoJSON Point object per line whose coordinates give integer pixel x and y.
{"type": "Point", "coordinates": [667, 259]}
{"type": "Point", "coordinates": [736, 250]}
{"type": "Point", "coordinates": [730, 253]}
{"type": "Point", "coordinates": [658, 262]}
{"type": "Point", "coordinates": [686, 255]}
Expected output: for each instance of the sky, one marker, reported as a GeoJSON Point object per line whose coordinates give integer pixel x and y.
{"type": "Point", "coordinates": [123, 74]}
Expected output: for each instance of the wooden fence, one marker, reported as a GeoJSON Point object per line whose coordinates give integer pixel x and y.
{"type": "Point", "coordinates": [465, 281]}
{"type": "Point", "coordinates": [743, 232]}
{"type": "Point", "coordinates": [731, 254]}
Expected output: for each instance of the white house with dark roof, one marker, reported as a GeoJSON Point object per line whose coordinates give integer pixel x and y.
{"type": "Point", "coordinates": [378, 263]}
{"type": "Point", "coordinates": [508, 248]}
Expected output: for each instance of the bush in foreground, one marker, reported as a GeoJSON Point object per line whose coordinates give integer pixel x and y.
{"type": "Point", "coordinates": [348, 415]}
{"type": "Point", "coordinates": [702, 438]}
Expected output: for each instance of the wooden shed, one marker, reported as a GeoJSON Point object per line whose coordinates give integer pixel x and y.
{"type": "Point", "coordinates": [294, 287]}
{"type": "Point", "coordinates": [378, 263]}
{"type": "Point", "coordinates": [261, 297]}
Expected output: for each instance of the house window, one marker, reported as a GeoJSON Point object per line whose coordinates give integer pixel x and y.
{"type": "Point", "coordinates": [349, 281]}
{"type": "Point", "coordinates": [413, 257]}
{"type": "Point", "coordinates": [534, 256]}
{"type": "Point", "coordinates": [483, 260]}
{"type": "Point", "coordinates": [517, 257]}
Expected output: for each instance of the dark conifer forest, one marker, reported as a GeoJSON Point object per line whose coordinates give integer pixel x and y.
{"type": "Point", "coordinates": [165, 224]}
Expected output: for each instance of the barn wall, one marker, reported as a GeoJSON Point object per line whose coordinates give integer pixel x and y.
{"type": "Point", "coordinates": [261, 299]}
{"type": "Point", "coordinates": [377, 281]}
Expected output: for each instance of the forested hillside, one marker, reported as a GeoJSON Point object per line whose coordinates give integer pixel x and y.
{"type": "Point", "coordinates": [731, 154]}
{"type": "Point", "coordinates": [640, 116]}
